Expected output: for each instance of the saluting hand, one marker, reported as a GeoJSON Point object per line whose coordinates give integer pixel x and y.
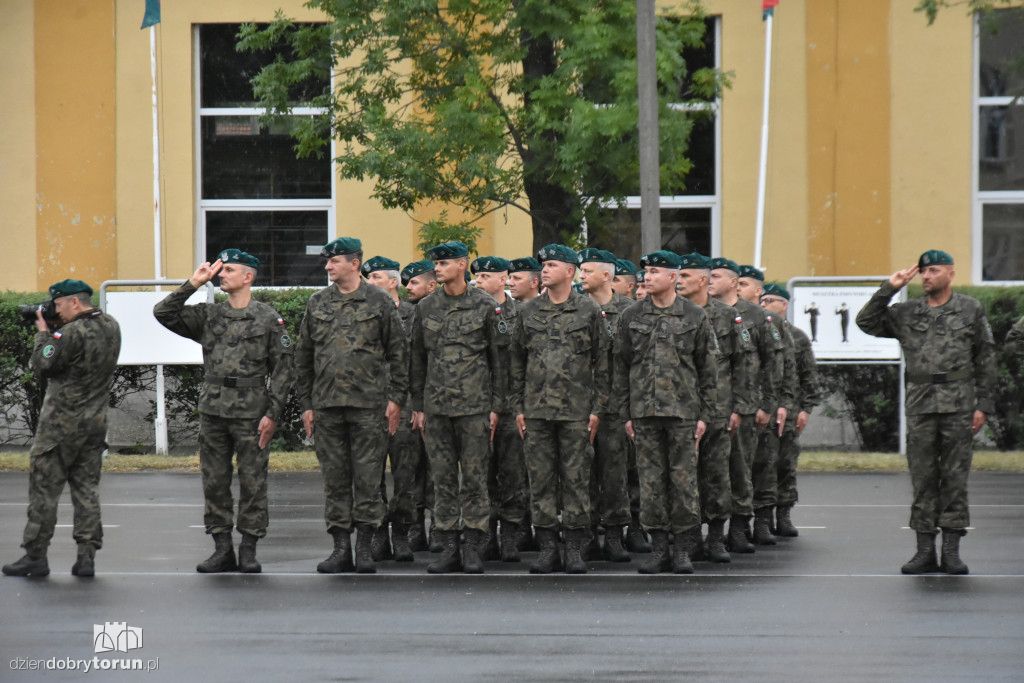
{"type": "Point", "coordinates": [901, 278]}
{"type": "Point", "coordinates": [205, 273]}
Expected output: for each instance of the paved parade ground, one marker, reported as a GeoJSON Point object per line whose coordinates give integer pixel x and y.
{"type": "Point", "coordinates": [830, 605]}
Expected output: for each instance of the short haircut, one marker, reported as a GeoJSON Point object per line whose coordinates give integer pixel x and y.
{"type": "Point", "coordinates": [357, 254]}
{"type": "Point", "coordinates": [83, 297]}
{"type": "Point", "coordinates": [391, 274]}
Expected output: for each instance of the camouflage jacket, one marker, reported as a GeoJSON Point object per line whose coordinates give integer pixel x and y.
{"type": "Point", "coordinates": [668, 359]}
{"type": "Point", "coordinates": [805, 382]}
{"type": "Point", "coordinates": [506, 319]}
{"type": "Point", "coordinates": [727, 324]}
{"type": "Point", "coordinates": [352, 351]}
{"type": "Point", "coordinates": [1015, 338]}
{"type": "Point", "coordinates": [760, 350]}
{"type": "Point", "coordinates": [78, 361]}
{"type": "Point", "coordinates": [611, 312]}
{"type": "Point", "coordinates": [939, 344]}
{"type": "Point", "coordinates": [560, 359]}
{"type": "Point", "coordinates": [455, 364]}
{"type": "Point", "coordinates": [406, 311]}
{"type": "Point", "coordinates": [250, 343]}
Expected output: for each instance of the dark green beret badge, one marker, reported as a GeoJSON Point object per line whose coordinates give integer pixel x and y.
{"type": "Point", "coordinates": [751, 272]}
{"type": "Point", "coordinates": [624, 267]}
{"type": "Point", "coordinates": [489, 264]}
{"type": "Point", "coordinates": [558, 252]}
{"type": "Point", "coordinates": [591, 255]}
{"type": "Point", "coordinates": [694, 261]}
{"type": "Point", "coordinates": [379, 263]}
{"type": "Point", "coordinates": [934, 257]}
{"type": "Point", "coordinates": [448, 250]}
{"type": "Point", "coordinates": [415, 269]}
{"type": "Point", "coordinates": [663, 258]}
{"type": "Point", "coordinates": [727, 264]}
{"type": "Point", "coordinates": [518, 265]}
{"type": "Point", "coordinates": [240, 257]}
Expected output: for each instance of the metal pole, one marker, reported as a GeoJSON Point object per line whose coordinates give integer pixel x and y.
{"type": "Point", "coordinates": [161, 413]}
{"type": "Point", "coordinates": [647, 101]}
{"type": "Point", "coordinates": [157, 251]}
{"type": "Point", "coordinates": [762, 175]}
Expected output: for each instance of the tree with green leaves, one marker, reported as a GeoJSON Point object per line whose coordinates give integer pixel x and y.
{"type": "Point", "coordinates": [484, 103]}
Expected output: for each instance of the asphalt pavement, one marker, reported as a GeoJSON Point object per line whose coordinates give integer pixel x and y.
{"type": "Point", "coordinates": [830, 605]}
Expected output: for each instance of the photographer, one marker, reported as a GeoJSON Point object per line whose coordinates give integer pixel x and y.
{"type": "Point", "coordinates": [79, 362]}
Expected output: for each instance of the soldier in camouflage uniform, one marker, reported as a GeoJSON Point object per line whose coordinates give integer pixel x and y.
{"type": "Point", "coordinates": [754, 394]}
{"type": "Point", "coordinates": [403, 445]}
{"type": "Point", "coordinates": [609, 488]}
{"type": "Point", "coordinates": [244, 343]}
{"type": "Point", "coordinates": [640, 291]}
{"type": "Point", "coordinates": [715, 447]}
{"type": "Point", "coordinates": [351, 372]}
{"type": "Point", "coordinates": [951, 378]}
{"type": "Point", "coordinates": [524, 278]}
{"type": "Point", "coordinates": [560, 383]}
{"type": "Point", "coordinates": [1015, 338]}
{"type": "Point", "coordinates": [456, 399]}
{"type": "Point", "coordinates": [507, 484]}
{"type": "Point", "coordinates": [624, 282]}
{"type": "Point", "coordinates": [665, 352]}
{"type": "Point", "coordinates": [78, 361]}
{"type": "Point", "coordinates": [804, 383]}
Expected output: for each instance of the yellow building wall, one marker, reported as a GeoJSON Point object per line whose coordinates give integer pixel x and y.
{"type": "Point", "coordinates": [17, 146]}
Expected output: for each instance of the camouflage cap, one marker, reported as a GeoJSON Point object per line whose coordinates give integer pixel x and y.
{"type": "Point", "coordinates": [591, 255]}
{"type": "Point", "coordinates": [772, 289]}
{"type": "Point", "coordinates": [341, 246]}
{"type": "Point", "coordinates": [379, 263]}
{"type": "Point", "coordinates": [751, 272]}
{"type": "Point", "coordinates": [489, 264]}
{"type": "Point", "coordinates": [727, 264]}
{"type": "Point", "coordinates": [240, 257]}
{"type": "Point", "coordinates": [640, 275]}
{"type": "Point", "coordinates": [663, 258]}
{"type": "Point", "coordinates": [625, 267]}
{"type": "Point", "coordinates": [694, 261]}
{"type": "Point", "coordinates": [558, 252]}
{"type": "Point", "coordinates": [517, 265]}
{"type": "Point", "coordinates": [934, 257]}
{"type": "Point", "coordinates": [416, 268]}
{"type": "Point", "coordinates": [448, 250]}
{"type": "Point", "coordinates": [69, 287]}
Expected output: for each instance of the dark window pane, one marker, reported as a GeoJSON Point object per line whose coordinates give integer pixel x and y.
{"type": "Point", "coordinates": [701, 151]}
{"type": "Point", "coordinates": [243, 160]}
{"type": "Point", "coordinates": [226, 73]}
{"type": "Point", "coordinates": [279, 239]}
{"type": "Point", "coordinates": [698, 58]}
{"type": "Point", "coordinates": [1000, 38]}
{"type": "Point", "coordinates": [682, 231]}
{"type": "Point", "coordinates": [1000, 148]}
{"type": "Point", "coordinates": [1002, 242]}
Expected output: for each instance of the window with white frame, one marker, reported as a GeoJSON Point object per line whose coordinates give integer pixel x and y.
{"type": "Point", "coordinates": [999, 147]}
{"type": "Point", "coordinates": [254, 194]}
{"type": "Point", "coordinates": [690, 215]}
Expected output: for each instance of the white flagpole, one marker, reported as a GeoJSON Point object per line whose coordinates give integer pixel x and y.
{"type": "Point", "coordinates": [762, 177]}
{"type": "Point", "coordinates": [161, 414]}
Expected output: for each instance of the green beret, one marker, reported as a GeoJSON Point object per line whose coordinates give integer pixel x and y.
{"type": "Point", "coordinates": [772, 289]}
{"type": "Point", "coordinates": [558, 252]}
{"type": "Point", "coordinates": [240, 257]}
{"type": "Point", "coordinates": [341, 246]}
{"type": "Point", "coordinates": [640, 275]}
{"type": "Point", "coordinates": [69, 287]}
{"type": "Point", "coordinates": [624, 267]}
{"type": "Point", "coordinates": [695, 261]}
{"type": "Point", "coordinates": [448, 250]}
{"type": "Point", "coordinates": [416, 268]}
{"type": "Point", "coordinates": [597, 256]}
{"type": "Point", "coordinates": [578, 287]}
{"type": "Point", "coordinates": [934, 257]}
{"type": "Point", "coordinates": [517, 265]}
{"type": "Point", "coordinates": [489, 264]}
{"type": "Point", "coordinates": [752, 272]}
{"type": "Point", "coordinates": [663, 258]}
{"type": "Point", "coordinates": [379, 263]}
{"type": "Point", "coordinates": [725, 263]}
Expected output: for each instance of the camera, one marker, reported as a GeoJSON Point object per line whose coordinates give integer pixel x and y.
{"type": "Point", "coordinates": [49, 310]}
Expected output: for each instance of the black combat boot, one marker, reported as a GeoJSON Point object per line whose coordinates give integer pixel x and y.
{"type": "Point", "coordinates": [549, 559]}
{"type": "Point", "coordinates": [434, 541]}
{"type": "Point", "coordinates": [685, 544]}
{"type": "Point", "coordinates": [85, 565]}
{"type": "Point", "coordinates": [223, 558]}
{"type": "Point", "coordinates": [341, 559]}
{"type": "Point", "coordinates": [417, 533]}
{"type": "Point", "coordinates": [247, 562]}
{"type": "Point", "coordinates": [696, 554]}
{"type": "Point", "coordinates": [783, 524]}
{"type": "Point", "coordinates": [400, 540]}
{"type": "Point", "coordinates": [924, 560]}
{"type": "Point", "coordinates": [574, 544]}
{"type": "Point", "coordinates": [364, 549]}
{"type": "Point", "coordinates": [951, 562]}
{"type": "Point", "coordinates": [509, 541]}
{"type": "Point", "coordinates": [659, 561]}
{"type": "Point", "coordinates": [525, 541]}
{"type": "Point", "coordinates": [636, 542]}
{"type": "Point", "coordinates": [762, 534]}
{"type": "Point", "coordinates": [591, 544]}
{"type": "Point", "coordinates": [474, 543]}
{"type": "Point", "coordinates": [613, 550]}
{"type": "Point", "coordinates": [489, 549]}
{"type": "Point", "coordinates": [450, 560]}
{"type": "Point", "coordinates": [739, 539]}
{"type": "Point", "coordinates": [714, 547]}
{"type": "Point", "coordinates": [380, 544]}
{"type": "Point", "coordinates": [28, 565]}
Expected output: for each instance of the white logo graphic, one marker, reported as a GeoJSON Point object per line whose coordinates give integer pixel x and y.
{"type": "Point", "coordinates": [116, 636]}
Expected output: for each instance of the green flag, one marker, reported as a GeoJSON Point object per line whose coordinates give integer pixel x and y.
{"type": "Point", "coordinates": [152, 15]}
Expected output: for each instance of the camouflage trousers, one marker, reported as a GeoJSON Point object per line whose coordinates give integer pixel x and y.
{"type": "Point", "coordinates": [559, 462]}
{"type": "Point", "coordinates": [766, 462]}
{"type": "Point", "coordinates": [609, 487]}
{"type": "Point", "coordinates": [666, 456]}
{"type": "Point", "coordinates": [785, 469]}
{"type": "Point", "coordinates": [632, 478]}
{"type": "Point", "coordinates": [507, 484]}
{"type": "Point", "coordinates": [219, 439]}
{"type": "Point", "coordinates": [351, 444]}
{"type": "Point", "coordinates": [77, 464]}
{"type": "Point", "coordinates": [713, 471]}
{"type": "Point", "coordinates": [454, 445]}
{"type": "Point", "coordinates": [741, 459]}
{"type": "Point", "coordinates": [404, 451]}
{"type": "Point", "coordinates": [939, 454]}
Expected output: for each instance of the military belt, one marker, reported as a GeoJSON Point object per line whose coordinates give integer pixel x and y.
{"type": "Point", "coordinates": [938, 377]}
{"type": "Point", "coordinates": [232, 382]}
